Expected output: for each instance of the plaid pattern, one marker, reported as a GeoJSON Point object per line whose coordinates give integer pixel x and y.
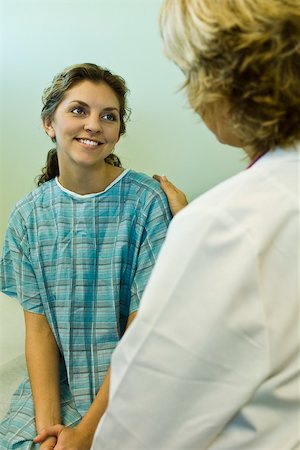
{"type": "Point", "coordinates": [83, 262]}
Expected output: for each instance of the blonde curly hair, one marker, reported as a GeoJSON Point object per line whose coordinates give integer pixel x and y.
{"type": "Point", "coordinates": [246, 52]}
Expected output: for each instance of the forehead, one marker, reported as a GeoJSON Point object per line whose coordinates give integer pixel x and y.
{"type": "Point", "coordinates": [93, 93]}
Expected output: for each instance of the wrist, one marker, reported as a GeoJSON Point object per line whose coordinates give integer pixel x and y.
{"type": "Point", "coordinates": [41, 425]}
{"type": "Point", "coordinates": [85, 433]}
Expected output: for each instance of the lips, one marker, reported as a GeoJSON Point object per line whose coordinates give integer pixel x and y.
{"type": "Point", "coordinates": [89, 142]}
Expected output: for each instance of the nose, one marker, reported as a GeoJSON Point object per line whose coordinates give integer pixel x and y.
{"type": "Point", "coordinates": [93, 124]}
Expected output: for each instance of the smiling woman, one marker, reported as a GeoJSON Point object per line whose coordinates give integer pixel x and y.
{"type": "Point", "coordinates": [86, 128]}
{"type": "Point", "coordinates": [89, 93]}
{"type": "Point", "coordinates": [77, 255]}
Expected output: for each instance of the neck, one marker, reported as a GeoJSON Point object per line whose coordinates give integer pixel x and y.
{"type": "Point", "coordinates": [257, 157]}
{"type": "Point", "coordinates": [87, 181]}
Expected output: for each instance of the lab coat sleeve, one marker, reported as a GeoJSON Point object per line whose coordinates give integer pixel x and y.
{"type": "Point", "coordinates": [198, 348]}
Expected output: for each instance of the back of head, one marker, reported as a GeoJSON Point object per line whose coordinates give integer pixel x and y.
{"type": "Point", "coordinates": [54, 94]}
{"type": "Point", "coordinates": [244, 51]}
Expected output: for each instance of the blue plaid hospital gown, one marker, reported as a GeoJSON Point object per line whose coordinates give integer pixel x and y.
{"type": "Point", "coordinates": [83, 261]}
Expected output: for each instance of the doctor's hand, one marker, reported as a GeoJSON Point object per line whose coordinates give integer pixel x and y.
{"type": "Point", "coordinates": [176, 198]}
{"type": "Point", "coordinates": [67, 438]}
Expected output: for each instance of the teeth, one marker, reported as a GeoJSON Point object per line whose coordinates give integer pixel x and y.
{"type": "Point", "coordinates": [88, 142]}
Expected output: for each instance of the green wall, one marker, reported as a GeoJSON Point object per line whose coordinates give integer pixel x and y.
{"type": "Point", "coordinates": [40, 37]}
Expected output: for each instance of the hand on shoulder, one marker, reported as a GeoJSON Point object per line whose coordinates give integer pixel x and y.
{"type": "Point", "coordinates": [176, 198]}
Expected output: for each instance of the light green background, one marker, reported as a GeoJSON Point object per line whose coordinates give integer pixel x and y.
{"type": "Point", "coordinates": [40, 37]}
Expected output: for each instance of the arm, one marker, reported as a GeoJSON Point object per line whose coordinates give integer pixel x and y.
{"type": "Point", "coordinates": [176, 198]}
{"type": "Point", "coordinates": [89, 423]}
{"type": "Point", "coordinates": [198, 348]}
{"type": "Point", "coordinates": [81, 436]}
{"type": "Point", "coordinates": [42, 357]}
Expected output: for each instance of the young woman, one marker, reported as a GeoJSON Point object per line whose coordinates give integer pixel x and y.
{"type": "Point", "coordinates": [78, 253]}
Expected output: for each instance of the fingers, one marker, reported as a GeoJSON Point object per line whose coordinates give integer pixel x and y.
{"type": "Point", "coordinates": [176, 198]}
{"type": "Point", "coordinates": [160, 178]}
{"type": "Point", "coordinates": [54, 430]}
{"type": "Point", "coordinates": [166, 185]}
{"type": "Point", "coordinates": [163, 180]}
{"type": "Point", "coordinates": [49, 444]}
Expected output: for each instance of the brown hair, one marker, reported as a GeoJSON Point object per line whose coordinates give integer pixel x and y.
{"type": "Point", "coordinates": [54, 94]}
{"type": "Point", "coordinates": [246, 52]}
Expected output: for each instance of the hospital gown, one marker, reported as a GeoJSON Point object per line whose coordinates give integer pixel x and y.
{"type": "Point", "coordinates": [83, 262]}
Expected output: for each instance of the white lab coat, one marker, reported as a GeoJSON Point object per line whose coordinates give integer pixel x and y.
{"type": "Point", "coordinates": [212, 359]}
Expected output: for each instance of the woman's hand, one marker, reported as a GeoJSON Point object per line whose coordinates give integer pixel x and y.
{"type": "Point", "coordinates": [67, 438]}
{"type": "Point", "coordinates": [81, 436]}
{"type": "Point", "coordinates": [176, 198]}
{"type": "Point", "coordinates": [49, 443]}
{"type": "Point", "coordinates": [42, 357]}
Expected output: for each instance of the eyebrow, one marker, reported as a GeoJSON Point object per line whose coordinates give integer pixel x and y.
{"type": "Point", "coordinates": [108, 108]}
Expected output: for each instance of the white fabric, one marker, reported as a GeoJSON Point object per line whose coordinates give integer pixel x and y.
{"type": "Point", "coordinates": [212, 360]}
{"type": "Point", "coordinates": [95, 194]}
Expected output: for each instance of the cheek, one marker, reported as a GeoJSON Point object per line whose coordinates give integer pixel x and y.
{"type": "Point", "coordinates": [66, 132]}
{"type": "Point", "coordinates": [211, 124]}
{"type": "Point", "coordinates": [113, 134]}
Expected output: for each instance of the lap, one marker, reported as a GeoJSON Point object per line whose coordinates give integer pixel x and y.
{"type": "Point", "coordinates": [17, 429]}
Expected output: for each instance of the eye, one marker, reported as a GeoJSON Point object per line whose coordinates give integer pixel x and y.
{"type": "Point", "coordinates": [110, 117]}
{"type": "Point", "coordinates": [79, 111]}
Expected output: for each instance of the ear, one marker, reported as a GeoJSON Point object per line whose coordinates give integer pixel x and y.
{"type": "Point", "coordinates": [47, 124]}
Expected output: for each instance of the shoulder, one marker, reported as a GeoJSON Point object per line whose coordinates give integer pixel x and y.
{"type": "Point", "coordinates": [259, 186]}
{"type": "Point", "coordinates": [143, 181]}
{"type": "Point", "coordinates": [145, 196]}
{"type": "Point", "coordinates": [255, 200]}
{"type": "Point", "coordinates": [145, 186]}
{"type": "Point", "coordinates": [25, 208]}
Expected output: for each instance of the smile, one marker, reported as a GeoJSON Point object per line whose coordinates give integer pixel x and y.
{"type": "Point", "coordinates": [89, 142]}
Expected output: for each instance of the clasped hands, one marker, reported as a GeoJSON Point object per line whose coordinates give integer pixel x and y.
{"type": "Point", "coordinates": [59, 437]}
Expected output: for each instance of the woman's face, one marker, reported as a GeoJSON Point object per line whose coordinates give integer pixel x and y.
{"type": "Point", "coordinates": [86, 125]}
{"type": "Point", "coordinates": [218, 120]}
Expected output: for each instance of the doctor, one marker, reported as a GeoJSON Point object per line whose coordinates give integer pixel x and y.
{"type": "Point", "coordinates": [212, 360]}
